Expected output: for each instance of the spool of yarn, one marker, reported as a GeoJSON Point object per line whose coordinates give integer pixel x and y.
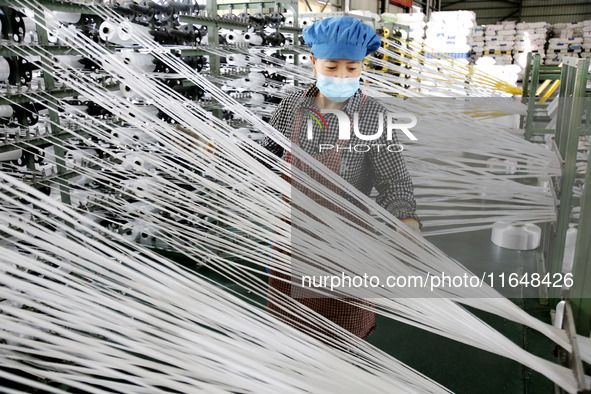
{"type": "Point", "coordinates": [120, 34]}
{"type": "Point", "coordinates": [133, 160]}
{"type": "Point", "coordinates": [70, 61]}
{"type": "Point", "coordinates": [288, 21]}
{"type": "Point", "coordinates": [47, 169]}
{"type": "Point", "coordinates": [236, 59]}
{"type": "Point", "coordinates": [52, 36]}
{"type": "Point", "coordinates": [149, 109]}
{"type": "Point", "coordinates": [257, 77]}
{"type": "Point", "coordinates": [130, 136]}
{"type": "Point", "coordinates": [108, 32]}
{"type": "Point", "coordinates": [516, 236]}
{"type": "Point", "coordinates": [129, 93]}
{"type": "Point", "coordinates": [137, 187]}
{"type": "Point", "coordinates": [303, 59]}
{"type": "Point", "coordinates": [67, 17]}
{"type": "Point", "coordinates": [569, 250]}
{"type": "Point", "coordinates": [305, 22]}
{"type": "Point", "coordinates": [75, 109]}
{"type": "Point", "coordinates": [79, 157]}
{"type": "Point", "coordinates": [257, 98]}
{"type": "Point", "coordinates": [6, 113]}
{"type": "Point", "coordinates": [141, 61]}
{"type": "Point", "coordinates": [80, 180]}
{"type": "Point", "coordinates": [11, 155]}
{"type": "Point", "coordinates": [130, 231]}
{"type": "Point", "coordinates": [253, 38]}
{"type": "Point", "coordinates": [559, 315]}
{"type": "Point", "coordinates": [233, 37]}
{"type": "Point", "coordinates": [50, 154]}
{"type": "Point", "coordinates": [81, 197]}
{"type": "Point", "coordinates": [4, 69]}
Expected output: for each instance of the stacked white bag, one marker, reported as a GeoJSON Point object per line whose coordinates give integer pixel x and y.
{"type": "Point", "coordinates": [586, 47]}
{"type": "Point", "coordinates": [477, 42]}
{"type": "Point", "coordinates": [498, 42]}
{"type": "Point", "coordinates": [505, 72]}
{"type": "Point", "coordinates": [567, 41]}
{"type": "Point", "coordinates": [450, 32]}
{"type": "Point", "coordinates": [531, 37]}
{"type": "Point", "coordinates": [415, 23]}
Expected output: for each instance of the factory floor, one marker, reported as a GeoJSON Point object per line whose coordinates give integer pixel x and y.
{"type": "Point", "coordinates": [462, 368]}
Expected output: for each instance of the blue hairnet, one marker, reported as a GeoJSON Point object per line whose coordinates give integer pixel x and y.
{"type": "Point", "coordinates": [341, 37]}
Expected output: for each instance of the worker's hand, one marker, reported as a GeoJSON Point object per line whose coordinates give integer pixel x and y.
{"type": "Point", "coordinates": [201, 142]}
{"type": "Point", "coordinates": [413, 224]}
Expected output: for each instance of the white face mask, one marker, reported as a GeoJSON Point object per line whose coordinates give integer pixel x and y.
{"type": "Point", "coordinates": [337, 89]}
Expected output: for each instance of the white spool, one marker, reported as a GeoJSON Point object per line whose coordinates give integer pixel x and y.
{"type": "Point", "coordinates": [52, 36]}
{"type": "Point", "coordinates": [130, 136]}
{"type": "Point", "coordinates": [149, 109]}
{"type": "Point", "coordinates": [109, 32]}
{"type": "Point", "coordinates": [79, 157]}
{"type": "Point", "coordinates": [256, 77]}
{"type": "Point", "coordinates": [288, 21]}
{"type": "Point", "coordinates": [47, 169]}
{"type": "Point", "coordinates": [141, 61]}
{"type": "Point", "coordinates": [305, 22]}
{"type": "Point", "coordinates": [70, 61]}
{"type": "Point", "coordinates": [236, 59]}
{"type": "Point", "coordinates": [129, 93]}
{"type": "Point", "coordinates": [30, 37]}
{"type": "Point", "coordinates": [4, 69]}
{"type": "Point", "coordinates": [304, 59]}
{"type": "Point", "coordinates": [253, 39]}
{"type": "Point", "coordinates": [568, 260]}
{"type": "Point", "coordinates": [67, 17]}
{"type": "Point", "coordinates": [130, 232]}
{"type": "Point", "coordinates": [11, 155]}
{"type": "Point", "coordinates": [6, 111]}
{"type": "Point", "coordinates": [133, 160]}
{"type": "Point", "coordinates": [559, 315]}
{"type": "Point", "coordinates": [234, 37]}
{"type": "Point", "coordinates": [517, 237]}
{"type": "Point", "coordinates": [80, 180]}
{"type": "Point", "coordinates": [81, 197]}
{"type": "Point", "coordinates": [75, 109]}
{"type": "Point", "coordinates": [137, 187]}
{"type": "Point", "coordinates": [257, 98]}
{"type": "Point", "coordinates": [30, 25]}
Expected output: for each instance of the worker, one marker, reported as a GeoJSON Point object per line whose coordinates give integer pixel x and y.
{"type": "Point", "coordinates": [338, 47]}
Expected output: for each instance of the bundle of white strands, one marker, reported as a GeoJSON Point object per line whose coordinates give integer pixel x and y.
{"type": "Point", "coordinates": [148, 313]}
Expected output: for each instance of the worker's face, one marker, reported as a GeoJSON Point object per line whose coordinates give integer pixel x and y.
{"type": "Point", "coordinates": [341, 68]}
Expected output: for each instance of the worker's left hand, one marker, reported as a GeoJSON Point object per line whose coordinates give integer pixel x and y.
{"type": "Point", "coordinates": [413, 224]}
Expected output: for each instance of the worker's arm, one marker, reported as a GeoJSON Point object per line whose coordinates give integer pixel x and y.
{"type": "Point", "coordinates": [280, 120]}
{"type": "Point", "coordinates": [393, 183]}
{"type": "Point", "coordinates": [198, 143]}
